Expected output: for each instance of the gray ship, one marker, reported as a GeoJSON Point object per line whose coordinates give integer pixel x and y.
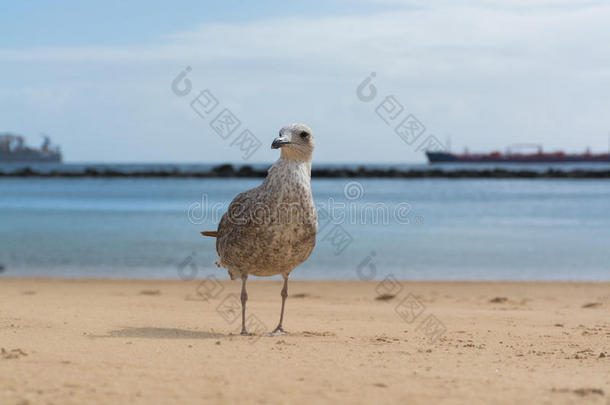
{"type": "Point", "coordinates": [13, 149]}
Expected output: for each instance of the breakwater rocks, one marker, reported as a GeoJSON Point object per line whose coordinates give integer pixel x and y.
{"type": "Point", "coordinates": [227, 170]}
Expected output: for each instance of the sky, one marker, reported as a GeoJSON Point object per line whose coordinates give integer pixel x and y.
{"type": "Point", "coordinates": [102, 77]}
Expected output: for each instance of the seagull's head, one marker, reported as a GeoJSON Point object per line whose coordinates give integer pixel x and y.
{"type": "Point", "coordinates": [296, 141]}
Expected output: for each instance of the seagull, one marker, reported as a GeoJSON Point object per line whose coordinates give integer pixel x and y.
{"type": "Point", "coordinates": [271, 229]}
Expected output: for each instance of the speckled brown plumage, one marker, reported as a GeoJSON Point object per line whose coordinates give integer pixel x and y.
{"type": "Point", "coordinates": [270, 229]}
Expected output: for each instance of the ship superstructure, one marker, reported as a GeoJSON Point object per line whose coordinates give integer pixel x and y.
{"type": "Point", "coordinates": [14, 149]}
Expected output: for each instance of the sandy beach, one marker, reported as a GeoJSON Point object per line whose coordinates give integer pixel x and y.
{"type": "Point", "coordinates": [149, 342]}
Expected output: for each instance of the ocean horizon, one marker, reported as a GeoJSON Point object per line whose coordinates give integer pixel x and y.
{"type": "Point", "coordinates": [195, 167]}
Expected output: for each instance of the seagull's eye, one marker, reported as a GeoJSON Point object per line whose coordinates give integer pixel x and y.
{"type": "Point", "coordinates": [304, 134]}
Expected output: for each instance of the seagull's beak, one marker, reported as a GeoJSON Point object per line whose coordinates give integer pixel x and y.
{"type": "Point", "coordinates": [279, 142]}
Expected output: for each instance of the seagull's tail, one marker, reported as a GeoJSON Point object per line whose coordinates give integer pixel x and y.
{"type": "Point", "coordinates": [209, 233]}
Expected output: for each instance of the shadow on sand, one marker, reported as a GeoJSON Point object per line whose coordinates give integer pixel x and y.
{"type": "Point", "coordinates": [161, 333]}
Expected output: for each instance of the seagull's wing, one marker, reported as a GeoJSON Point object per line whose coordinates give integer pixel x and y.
{"type": "Point", "coordinates": [239, 229]}
{"type": "Point", "coordinates": [236, 215]}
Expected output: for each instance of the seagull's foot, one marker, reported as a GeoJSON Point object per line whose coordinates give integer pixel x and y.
{"type": "Point", "coordinates": [244, 332]}
{"type": "Point", "coordinates": [279, 331]}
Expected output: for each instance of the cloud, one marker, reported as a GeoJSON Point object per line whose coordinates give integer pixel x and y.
{"type": "Point", "coordinates": [468, 69]}
{"type": "Point", "coordinates": [481, 35]}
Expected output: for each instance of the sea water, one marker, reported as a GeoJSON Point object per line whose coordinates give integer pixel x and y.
{"type": "Point", "coordinates": [414, 229]}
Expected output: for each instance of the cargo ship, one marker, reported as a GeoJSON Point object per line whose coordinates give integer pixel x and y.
{"type": "Point", "coordinates": [14, 149]}
{"type": "Point", "coordinates": [510, 156]}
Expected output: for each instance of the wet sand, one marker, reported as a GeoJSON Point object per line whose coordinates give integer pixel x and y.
{"type": "Point", "coordinates": [149, 342]}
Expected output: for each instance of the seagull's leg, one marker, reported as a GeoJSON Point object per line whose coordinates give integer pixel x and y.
{"type": "Point", "coordinates": [284, 294]}
{"type": "Point", "coordinates": [244, 298]}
